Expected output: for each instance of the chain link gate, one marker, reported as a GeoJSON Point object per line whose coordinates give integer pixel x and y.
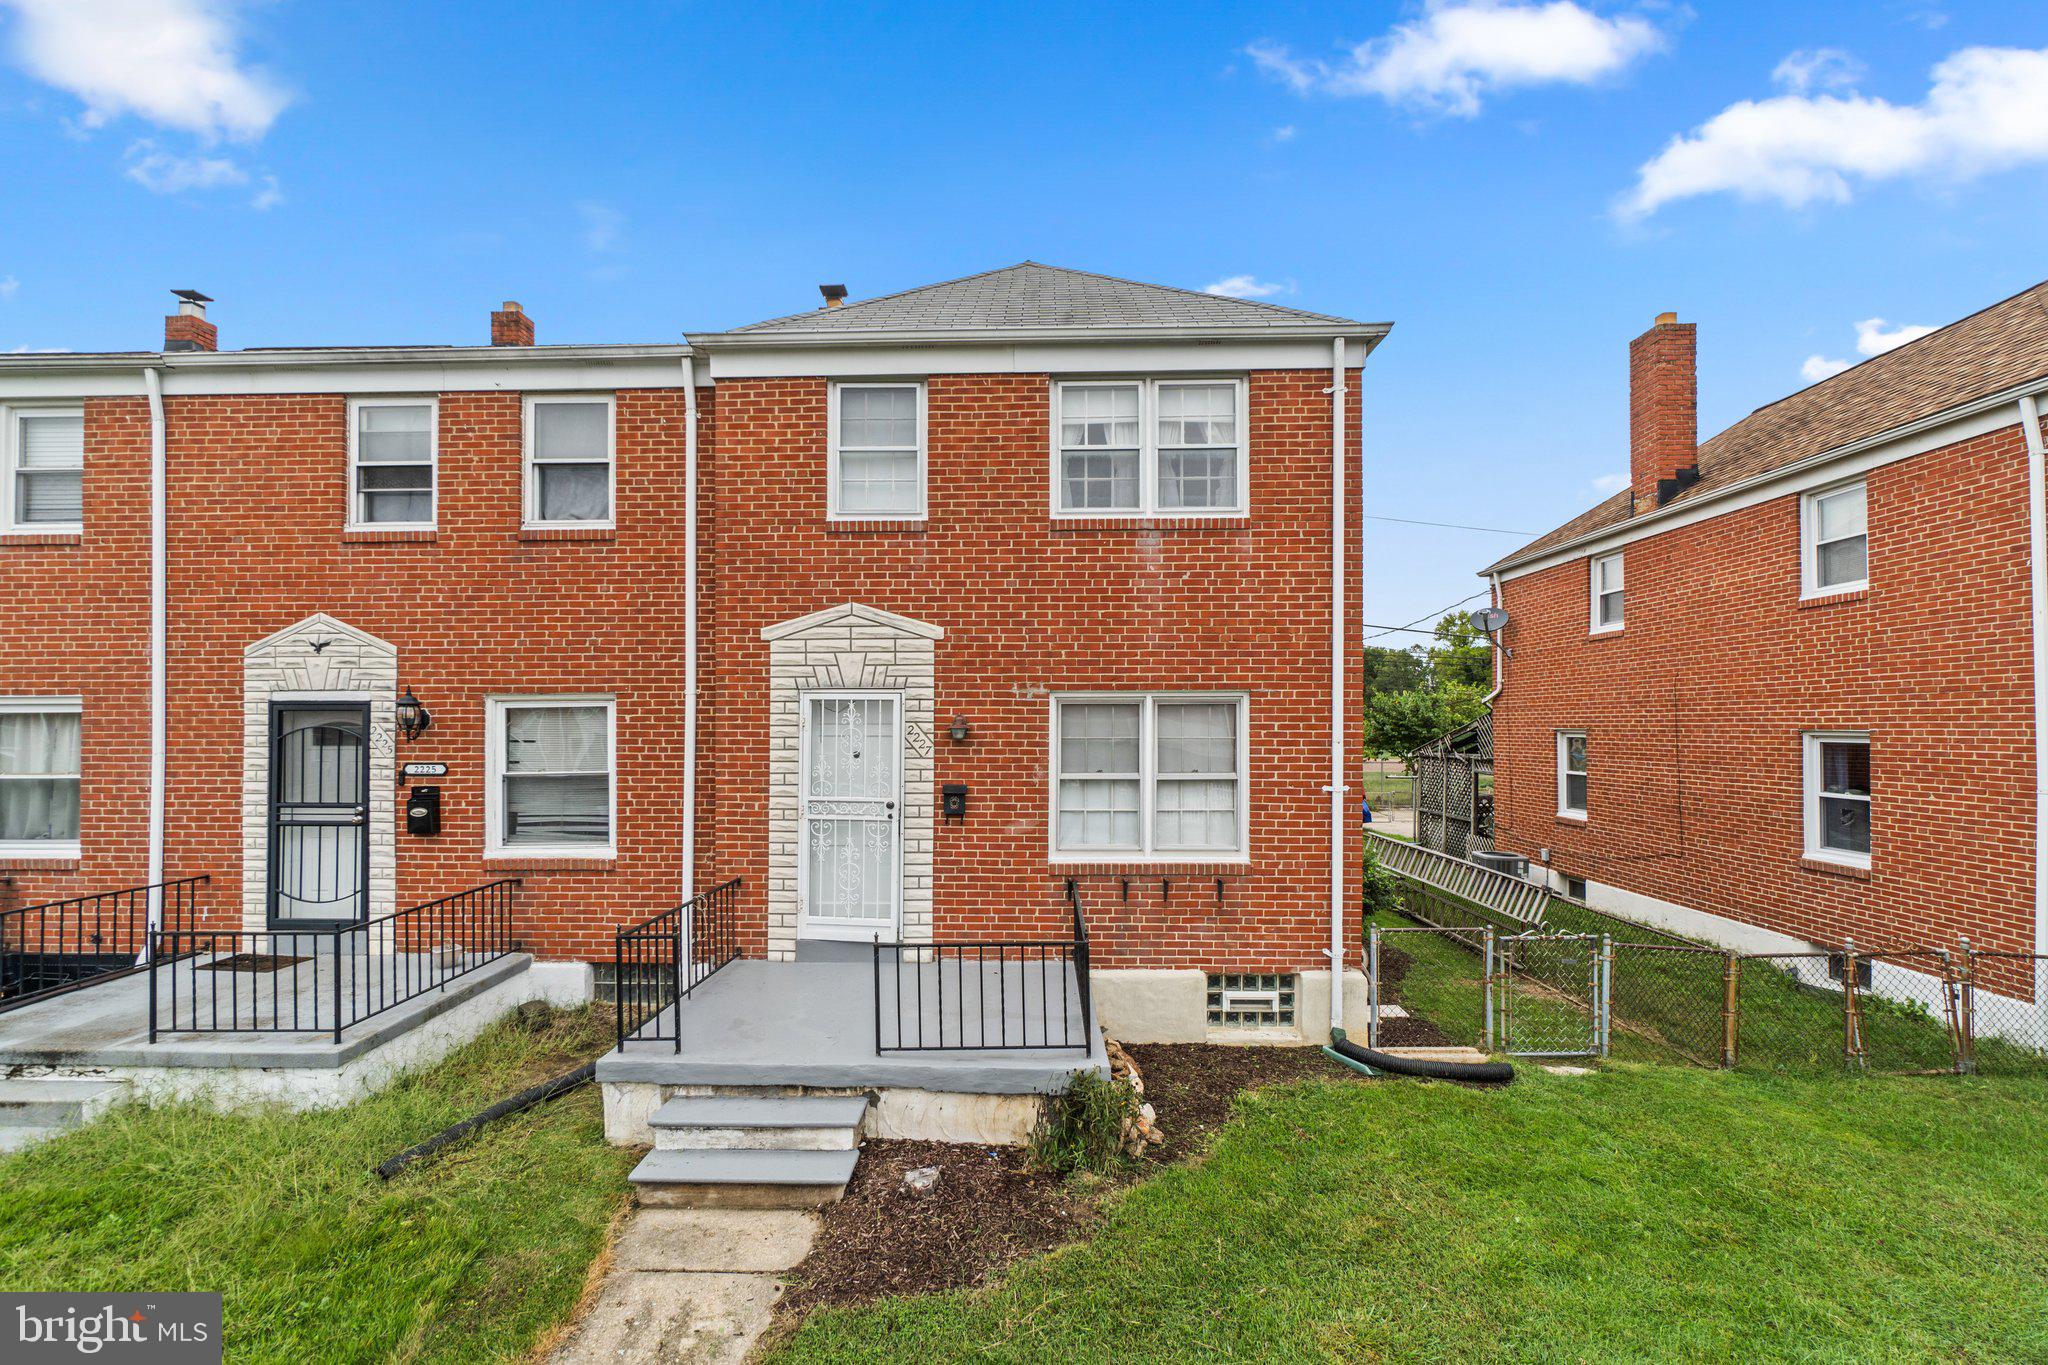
{"type": "Point", "coordinates": [1550, 995]}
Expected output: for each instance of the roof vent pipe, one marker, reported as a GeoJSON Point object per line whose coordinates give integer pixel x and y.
{"type": "Point", "coordinates": [835, 294]}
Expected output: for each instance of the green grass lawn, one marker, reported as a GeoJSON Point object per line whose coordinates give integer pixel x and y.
{"type": "Point", "coordinates": [1643, 1213]}
{"type": "Point", "coordinates": [470, 1255]}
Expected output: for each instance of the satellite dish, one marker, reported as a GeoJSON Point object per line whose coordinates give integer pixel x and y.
{"type": "Point", "coordinates": [1488, 619]}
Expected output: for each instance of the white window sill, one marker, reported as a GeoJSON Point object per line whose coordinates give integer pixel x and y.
{"type": "Point", "coordinates": [838, 517]}
{"type": "Point", "coordinates": [1161, 858]}
{"type": "Point", "coordinates": [45, 528]}
{"type": "Point", "coordinates": [606, 525]}
{"type": "Point", "coordinates": [544, 852]}
{"type": "Point", "coordinates": [375, 526]}
{"type": "Point", "coordinates": [1159, 513]}
{"type": "Point", "coordinates": [1835, 590]}
{"type": "Point", "coordinates": [1608, 630]}
{"type": "Point", "coordinates": [42, 848]}
{"type": "Point", "coordinates": [1575, 816]}
{"type": "Point", "coordinates": [1838, 858]}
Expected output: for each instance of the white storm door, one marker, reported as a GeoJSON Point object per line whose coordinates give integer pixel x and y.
{"type": "Point", "coordinates": [850, 813]}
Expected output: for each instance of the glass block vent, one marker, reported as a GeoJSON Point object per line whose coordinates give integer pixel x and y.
{"type": "Point", "coordinates": [1251, 1000]}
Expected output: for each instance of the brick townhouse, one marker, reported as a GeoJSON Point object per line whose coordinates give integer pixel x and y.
{"type": "Point", "coordinates": [1782, 690]}
{"type": "Point", "coordinates": [904, 611]}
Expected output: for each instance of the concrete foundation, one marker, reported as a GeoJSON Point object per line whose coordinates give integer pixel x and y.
{"type": "Point", "coordinates": [1169, 1005]}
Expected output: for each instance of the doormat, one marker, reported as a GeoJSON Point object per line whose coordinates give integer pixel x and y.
{"type": "Point", "coordinates": [254, 962]}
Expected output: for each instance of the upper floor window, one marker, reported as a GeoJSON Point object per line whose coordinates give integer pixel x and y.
{"type": "Point", "coordinates": [1138, 447]}
{"type": "Point", "coordinates": [39, 777]}
{"type": "Point", "coordinates": [391, 462]}
{"type": "Point", "coordinates": [1838, 796]}
{"type": "Point", "coordinates": [42, 458]}
{"type": "Point", "coordinates": [1571, 774]}
{"type": "Point", "coordinates": [1607, 592]}
{"type": "Point", "coordinates": [877, 451]}
{"type": "Point", "coordinates": [550, 776]}
{"type": "Point", "coordinates": [1834, 534]}
{"type": "Point", "coordinates": [1148, 775]}
{"type": "Point", "coordinates": [569, 461]}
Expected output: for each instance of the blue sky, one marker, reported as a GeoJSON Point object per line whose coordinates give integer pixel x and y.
{"type": "Point", "coordinates": [1519, 187]}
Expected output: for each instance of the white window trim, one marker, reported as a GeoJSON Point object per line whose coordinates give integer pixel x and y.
{"type": "Point", "coordinates": [1593, 587]}
{"type": "Point", "coordinates": [832, 510]}
{"type": "Point", "coordinates": [1565, 810]}
{"type": "Point", "coordinates": [495, 709]}
{"type": "Point", "coordinates": [47, 848]}
{"type": "Point", "coordinates": [1809, 541]}
{"type": "Point", "coordinates": [1810, 794]}
{"type": "Point", "coordinates": [1148, 775]}
{"type": "Point", "coordinates": [355, 507]}
{"type": "Point", "coordinates": [1148, 448]}
{"type": "Point", "coordinates": [10, 455]}
{"type": "Point", "coordinates": [530, 516]}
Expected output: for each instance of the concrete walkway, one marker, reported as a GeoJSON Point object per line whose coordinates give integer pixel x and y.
{"type": "Point", "coordinates": [689, 1285]}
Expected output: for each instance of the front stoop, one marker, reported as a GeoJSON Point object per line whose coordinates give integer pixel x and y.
{"type": "Point", "coordinates": [33, 1109]}
{"type": "Point", "coordinates": [748, 1152]}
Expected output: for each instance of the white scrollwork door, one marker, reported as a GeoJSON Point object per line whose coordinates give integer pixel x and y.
{"type": "Point", "coordinates": [850, 814]}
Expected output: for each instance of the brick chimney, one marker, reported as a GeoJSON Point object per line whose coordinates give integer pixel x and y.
{"type": "Point", "coordinates": [511, 327]}
{"type": "Point", "coordinates": [1663, 411]}
{"type": "Point", "coordinates": [187, 329]}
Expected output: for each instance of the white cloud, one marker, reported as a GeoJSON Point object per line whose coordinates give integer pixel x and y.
{"type": "Point", "coordinates": [1247, 287]}
{"type": "Point", "coordinates": [603, 226]}
{"type": "Point", "coordinates": [1285, 133]}
{"type": "Point", "coordinates": [268, 195]}
{"type": "Point", "coordinates": [1610, 484]}
{"type": "Point", "coordinates": [1874, 336]}
{"type": "Point", "coordinates": [1817, 68]}
{"type": "Point", "coordinates": [1459, 51]}
{"type": "Point", "coordinates": [162, 172]}
{"type": "Point", "coordinates": [174, 63]}
{"type": "Point", "coordinates": [1986, 110]}
{"type": "Point", "coordinates": [9, 287]}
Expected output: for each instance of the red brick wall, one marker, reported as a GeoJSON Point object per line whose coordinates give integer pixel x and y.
{"type": "Point", "coordinates": [1694, 712]}
{"type": "Point", "coordinates": [1031, 606]}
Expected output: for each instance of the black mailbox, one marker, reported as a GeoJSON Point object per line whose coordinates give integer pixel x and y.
{"type": "Point", "coordinates": [423, 810]}
{"type": "Point", "coordinates": [953, 800]}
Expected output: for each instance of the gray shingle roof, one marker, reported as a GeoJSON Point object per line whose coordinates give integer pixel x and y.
{"type": "Point", "coordinates": [1030, 295]}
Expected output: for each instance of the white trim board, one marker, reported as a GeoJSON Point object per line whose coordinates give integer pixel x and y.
{"type": "Point", "coordinates": [1981, 417]}
{"type": "Point", "coordinates": [514, 370]}
{"type": "Point", "coordinates": [1071, 358]}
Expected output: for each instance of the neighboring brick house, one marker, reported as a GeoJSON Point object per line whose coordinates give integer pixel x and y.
{"type": "Point", "coordinates": [1064, 541]}
{"type": "Point", "coordinates": [1782, 690]}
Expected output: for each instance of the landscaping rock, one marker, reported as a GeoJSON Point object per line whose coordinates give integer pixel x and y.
{"type": "Point", "coordinates": [921, 1180]}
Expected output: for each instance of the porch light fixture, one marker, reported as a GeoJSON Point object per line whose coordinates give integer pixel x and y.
{"type": "Point", "coordinates": [960, 730]}
{"type": "Point", "coordinates": [413, 718]}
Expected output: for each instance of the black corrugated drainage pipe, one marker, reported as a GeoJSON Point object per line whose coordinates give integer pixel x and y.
{"type": "Point", "coordinates": [1383, 1063]}
{"type": "Point", "coordinates": [525, 1099]}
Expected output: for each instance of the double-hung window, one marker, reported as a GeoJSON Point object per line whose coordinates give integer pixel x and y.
{"type": "Point", "coordinates": [877, 452]}
{"type": "Point", "coordinates": [1148, 776]}
{"type": "Point", "coordinates": [1571, 774]}
{"type": "Point", "coordinates": [1834, 536]}
{"type": "Point", "coordinates": [569, 461]}
{"type": "Point", "coordinates": [551, 782]}
{"type": "Point", "coordinates": [1608, 606]}
{"type": "Point", "coordinates": [39, 777]}
{"type": "Point", "coordinates": [42, 458]}
{"type": "Point", "coordinates": [392, 444]}
{"type": "Point", "coordinates": [1139, 447]}
{"type": "Point", "coordinates": [1837, 790]}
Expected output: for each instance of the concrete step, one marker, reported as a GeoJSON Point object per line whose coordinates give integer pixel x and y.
{"type": "Point", "coordinates": [49, 1102]}
{"type": "Point", "coordinates": [712, 1123]}
{"type": "Point", "coordinates": [742, 1179]}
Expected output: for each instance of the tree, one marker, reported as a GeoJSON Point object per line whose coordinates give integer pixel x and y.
{"type": "Point", "coordinates": [1399, 723]}
{"type": "Point", "coordinates": [1461, 654]}
{"type": "Point", "coordinates": [1394, 670]}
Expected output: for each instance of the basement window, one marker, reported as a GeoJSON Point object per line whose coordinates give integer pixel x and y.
{"type": "Point", "coordinates": [1575, 888]}
{"type": "Point", "coordinates": [1251, 1000]}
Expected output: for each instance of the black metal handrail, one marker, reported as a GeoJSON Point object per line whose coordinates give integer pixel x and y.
{"type": "Point", "coordinates": [659, 962]}
{"type": "Point", "coordinates": [325, 980]}
{"type": "Point", "coordinates": [64, 945]}
{"type": "Point", "coordinates": [986, 995]}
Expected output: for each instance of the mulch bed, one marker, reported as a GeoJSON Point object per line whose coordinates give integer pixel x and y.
{"type": "Point", "coordinates": [990, 1206]}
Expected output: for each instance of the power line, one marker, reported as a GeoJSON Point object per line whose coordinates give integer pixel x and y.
{"type": "Point", "coordinates": [1448, 525]}
{"type": "Point", "coordinates": [1389, 630]}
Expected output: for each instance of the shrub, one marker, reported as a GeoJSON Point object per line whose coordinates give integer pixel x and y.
{"type": "Point", "coordinates": [1382, 886]}
{"type": "Point", "coordinates": [1083, 1129]}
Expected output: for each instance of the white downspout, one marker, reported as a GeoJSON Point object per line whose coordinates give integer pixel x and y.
{"type": "Point", "coordinates": [1500, 656]}
{"type": "Point", "coordinates": [1339, 802]}
{"type": "Point", "coordinates": [2037, 574]}
{"type": "Point", "coordinates": [159, 619]}
{"type": "Point", "coordinates": [689, 627]}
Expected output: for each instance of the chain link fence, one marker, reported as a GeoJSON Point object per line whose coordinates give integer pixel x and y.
{"type": "Point", "coordinates": [1567, 991]}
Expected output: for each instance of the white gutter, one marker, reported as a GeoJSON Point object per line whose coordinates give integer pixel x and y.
{"type": "Point", "coordinates": [1339, 804]}
{"type": "Point", "coordinates": [2037, 573]}
{"type": "Point", "coordinates": [159, 620]}
{"type": "Point", "coordinates": [689, 628]}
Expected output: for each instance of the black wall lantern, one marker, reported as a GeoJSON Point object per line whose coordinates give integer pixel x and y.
{"type": "Point", "coordinates": [413, 718]}
{"type": "Point", "coordinates": [960, 730]}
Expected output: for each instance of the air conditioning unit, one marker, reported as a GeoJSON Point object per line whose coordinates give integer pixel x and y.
{"type": "Point", "coordinates": [1514, 864]}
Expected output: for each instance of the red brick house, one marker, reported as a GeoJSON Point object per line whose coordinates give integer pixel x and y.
{"type": "Point", "coordinates": [1782, 691]}
{"type": "Point", "coordinates": [1073, 553]}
